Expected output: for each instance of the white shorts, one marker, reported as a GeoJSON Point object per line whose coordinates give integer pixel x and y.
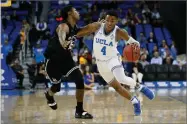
{"type": "Point", "coordinates": [105, 68]}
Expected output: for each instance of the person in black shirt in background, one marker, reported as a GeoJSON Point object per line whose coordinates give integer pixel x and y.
{"type": "Point", "coordinates": [60, 64]}
{"type": "Point", "coordinates": [18, 69]}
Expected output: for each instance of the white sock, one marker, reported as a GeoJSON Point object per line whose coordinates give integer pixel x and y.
{"type": "Point", "coordinates": [134, 100]}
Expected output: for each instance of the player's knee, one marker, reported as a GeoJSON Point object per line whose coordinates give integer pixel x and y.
{"type": "Point", "coordinates": [56, 87]}
{"type": "Point", "coordinates": [79, 83]}
{"type": "Point", "coordinates": [126, 80]}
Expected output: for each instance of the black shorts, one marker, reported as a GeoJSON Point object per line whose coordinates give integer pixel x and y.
{"type": "Point", "coordinates": [57, 69]}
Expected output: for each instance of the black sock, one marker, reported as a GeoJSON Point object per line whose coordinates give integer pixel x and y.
{"type": "Point", "coordinates": [79, 107]}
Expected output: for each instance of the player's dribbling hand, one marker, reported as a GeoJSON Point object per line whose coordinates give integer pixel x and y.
{"type": "Point", "coordinates": [134, 42]}
{"type": "Point", "coordinates": [71, 43]}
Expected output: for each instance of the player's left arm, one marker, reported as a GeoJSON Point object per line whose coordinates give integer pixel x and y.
{"type": "Point", "coordinates": [88, 29]}
{"type": "Point", "coordinates": [123, 35]}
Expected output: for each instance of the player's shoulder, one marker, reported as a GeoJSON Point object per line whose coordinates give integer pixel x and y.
{"type": "Point", "coordinates": [64, 26]}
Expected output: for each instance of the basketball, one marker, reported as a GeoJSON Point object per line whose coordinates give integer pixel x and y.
{"type": "Point", "coordinates": [131, 53]}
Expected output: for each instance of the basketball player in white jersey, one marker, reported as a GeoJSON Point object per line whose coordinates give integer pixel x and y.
{"type": "Point", "coordinates": [108, 58]}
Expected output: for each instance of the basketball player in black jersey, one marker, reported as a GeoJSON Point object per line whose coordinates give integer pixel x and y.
{"type": "Point", "coordinates": [60, 63]}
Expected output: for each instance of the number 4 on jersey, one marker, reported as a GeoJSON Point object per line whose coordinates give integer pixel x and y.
{"type": "Point", "coordinates": [103, 50]}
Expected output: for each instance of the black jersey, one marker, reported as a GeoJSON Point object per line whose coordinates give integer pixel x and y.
{"type": "Point", "coordinates": [55, 50]}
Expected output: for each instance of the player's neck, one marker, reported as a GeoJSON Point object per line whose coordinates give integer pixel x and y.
{"type": "Point", "coordinates": [106, 31]}
{"type": "Point", "coordinates": [71, 21]}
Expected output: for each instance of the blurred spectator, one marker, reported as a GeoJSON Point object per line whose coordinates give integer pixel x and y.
{"type": "Point", "coordinates": [7, 51]}
{"type": "Point", "coordinates": [137, 74]}
{"type": "Point", "coordinates": [40, 76]}
{"type": "Point", "coordinates": [22, 36]}
{"type": "Point", "coordinates": [4, 36]}
{"type": "Point", "coordinates": [144, 19]}
{"type": "Point", "coordinates": [136, 8]}
{"type": "Point", "coordinates": [88, 78]}
{"type": "Point", "coordinates": [179, 62]}
{"type": "Point", "coordinates": [146, 11]}
{"type": "Point", "coordinates": [151, 38]}
{"type": "Point", "coordinates": [5, 18]}
{"type": "Point", "coordinates": [173, 50]}
{"type": "Point", "coordinates": [144, 51]}
{"type": "Point", "coordinates": [155, 14]}
{"type": "Point", "coordinates": [33, 37]}
{"type": "Point", "coordinates": [38, 54]}
{"type": "Point", "coordinates": [143, 60]}
{"type": "Point", "coordinates": [132, 18]}
{"type": "Point", "coordinates": [97, 76]}
{"type": "Point", "coordinates": [26, 26]}
{"type": "Point", "coordinates": [18, 70]}
{"type": "Point", "coordinates": [82, 61]}
{"type": "Point", "coordinates": [32, 70]}
{"type": "Point", "coordinates": [155, 49]}
{"type": "Point", "coordinates": [142, 38]}
{"type": "Point", "coordinates": [156, 59]}
{"type": "Point", "coordinates": [155, 17]}
{"type": "Point", "coordinates": [168, 60]}
{"type": "Point", "coordinates": [124, 21]}
{"type": "Point", "coordinates": [95, 13]}
{"type": "Point", "coordinates": [87, 56]}
{"type": "Point", "coordinates": [102, 14]}
{"type": "Point", "coordinates": [163, 49]}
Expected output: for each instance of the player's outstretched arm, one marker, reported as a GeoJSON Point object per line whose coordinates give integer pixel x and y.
{"type": "Point", "coordinates": [88, 29]}
{"type": "Point", "coordinates": [123, 35]}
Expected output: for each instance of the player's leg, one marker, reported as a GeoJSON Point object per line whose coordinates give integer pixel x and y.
{"type": "Point", "coordinates": [109, 77]}
{"type": "Point", "coordinates": [134, 76]}
{"type": "Point", "coordinates": [139, 76]}
{"type": "Point", "coordinates": [124, 93]}
{"type": "Point", "coordinates": [120, 76]}
{"type": "Point", "coordinates": [54, 73]}
{"type": "Point", "coordinates": [118, 71]}
{"type": "Point", "coordinates": [76, 76]}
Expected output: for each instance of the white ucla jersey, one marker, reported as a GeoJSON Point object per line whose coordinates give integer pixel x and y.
{"type": "Point", "coordinates": [105, 46]}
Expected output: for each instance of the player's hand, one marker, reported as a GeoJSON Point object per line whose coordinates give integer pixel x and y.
{"type": "Point", "coordinates": [133, 41]}
{"type": "Point", "coordinates": [71, 42]}
{"type": "Point", "coordinates": [102, 21]}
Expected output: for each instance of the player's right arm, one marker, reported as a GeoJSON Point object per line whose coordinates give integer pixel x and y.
{"type": "Point", "coordinates": [88, 29]}
{"type": "Point", "coordinates": [62, 30]}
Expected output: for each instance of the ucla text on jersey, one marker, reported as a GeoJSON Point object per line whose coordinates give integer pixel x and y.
{"type": "Point", "coordinates": [104, 42]}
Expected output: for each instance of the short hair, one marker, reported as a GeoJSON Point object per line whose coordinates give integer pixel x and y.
{"type": "Point", "coordinates": [112, 13]}
{"type": "Point", "coordinates": [65, 11]}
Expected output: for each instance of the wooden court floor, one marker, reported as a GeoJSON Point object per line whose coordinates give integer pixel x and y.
{"type": "Point", "coordinates": [19, 107]}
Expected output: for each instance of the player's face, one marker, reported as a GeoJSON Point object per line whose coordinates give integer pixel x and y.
{"type": "Point", "coordinates": [75, 14]}
{"type": "Point", "coordinates": [110, 22]}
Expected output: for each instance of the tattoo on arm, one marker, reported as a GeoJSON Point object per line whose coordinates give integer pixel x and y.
{"type": "Point", "coordinates": [62, 36]}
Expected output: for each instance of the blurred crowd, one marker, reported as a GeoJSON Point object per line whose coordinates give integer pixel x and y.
{"type": "Point", "coordinates": [39, 33]}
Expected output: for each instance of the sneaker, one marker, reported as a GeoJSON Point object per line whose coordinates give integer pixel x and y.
{"type": "Point", "coordinates": [83, 115]}
{"type": "Point", "coordinates": [137, 107]}
{"type": "Point", "coordinates": [147, 92]}
{"type": "Point", "coordinates": [50, 101]}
